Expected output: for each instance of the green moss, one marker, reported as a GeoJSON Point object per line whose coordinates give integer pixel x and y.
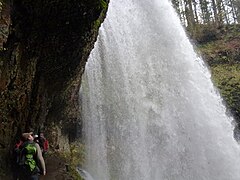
{"type": "Point", "coordinates": [74, 158]}
{"type": "Point", "coordinates": [227, 79]}
{"type": "Point", "coordinates": [77, 154]}
{"type": "Point", "coordinates": [223, 56]}
{"type": "Point", "coordinates": [103, 4]}
{"type": "Point", "coordinates": [96, 24]}
{"type": "Point", "coordinates": [74, 173]}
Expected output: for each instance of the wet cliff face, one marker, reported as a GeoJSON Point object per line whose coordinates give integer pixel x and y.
{"type": "Point", "coordinates": [43, 55]}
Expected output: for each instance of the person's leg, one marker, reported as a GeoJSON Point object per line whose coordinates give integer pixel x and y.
{"type": "Point", "coordinates": [23, 176]}
{"type": "Point", "coordinates": [34, 177]}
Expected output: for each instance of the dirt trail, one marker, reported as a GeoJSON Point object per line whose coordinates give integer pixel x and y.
{"type": "Point", "coordinates": [56, 168]}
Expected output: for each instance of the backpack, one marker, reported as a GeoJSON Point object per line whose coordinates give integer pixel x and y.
{"type": "Point", "coordinates": [27, 160]}
{"type": "Point", "coordinates": [16, 152]}
{"type": "Point", "coordinates": [43, 143]}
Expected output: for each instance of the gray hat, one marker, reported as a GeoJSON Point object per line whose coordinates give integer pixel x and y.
{"type": "Point", "coordinates": [25, 136]}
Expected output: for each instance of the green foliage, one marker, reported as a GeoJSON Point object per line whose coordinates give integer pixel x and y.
{"type": "Point", "coordinates": [74, 173]}
{"type": "Point", "coordinates": [224, 49]}
{"type": "Point", "coordinates": [209, 33]}
{"type": "Point", "coordinates": [223, 56]}
{"type": "Point", "coordinates": [96, 24]}
{"type": "Point", "coordinates": [75, 158]}
{"type": "Point", "coordinates": [77, 154]}
{"type": "Point", "coordinates": [227, 79]}
{"type": "Point", "coordinates": [218, 53]}
{"type": "Point", "coordinates": [204, 33]}
{"type": "Point", "coordinates": [103, 4]}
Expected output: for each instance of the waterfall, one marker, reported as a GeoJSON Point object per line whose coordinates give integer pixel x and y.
{"type": "Point", "coordinates": [149, 108]}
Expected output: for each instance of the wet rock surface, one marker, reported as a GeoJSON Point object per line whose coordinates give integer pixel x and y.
{"type": "Point", "coordinates": [43, 55]}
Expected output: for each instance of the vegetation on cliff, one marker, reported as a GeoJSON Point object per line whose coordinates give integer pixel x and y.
{"type": "Point", "coordinates": [214, 26]}
{"type": "Point", "coordinates": [44, 47]}
{"type": "Point", "coordinates": [223, 57]}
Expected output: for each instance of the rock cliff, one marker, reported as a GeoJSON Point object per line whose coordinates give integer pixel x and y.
{"type": "Point", "coordinates": [44, 47]}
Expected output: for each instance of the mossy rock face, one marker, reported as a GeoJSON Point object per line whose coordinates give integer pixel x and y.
{"type": "Point", "coordinates": [41, 64]}
{"type": "Point", "coordinates": [223, 56]}
{"type": "Point", "coordinates": [227, 79]}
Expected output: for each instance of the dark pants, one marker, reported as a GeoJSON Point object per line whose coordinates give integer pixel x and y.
{"type": "Point", "coordinates": [34, 177]}
{"type": "Point", "coordinates": [26, 174]}
{"type": "Point", "coordinates": [31, 177]}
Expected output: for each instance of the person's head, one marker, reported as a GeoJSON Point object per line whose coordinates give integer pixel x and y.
{"type": "Point", "coordinates": [41, 135]}
{"type": "Point", "coordinates": [28, 136]}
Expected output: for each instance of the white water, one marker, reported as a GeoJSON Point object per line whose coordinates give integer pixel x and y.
{"type": "Point", "coordinates": [150, 110]}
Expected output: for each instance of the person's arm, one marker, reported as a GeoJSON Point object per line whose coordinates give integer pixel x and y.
{"type": "Point", "coordinates": [40, 158]}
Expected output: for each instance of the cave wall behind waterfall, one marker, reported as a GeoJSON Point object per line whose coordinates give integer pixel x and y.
{"type": "Point", "coordinates": [44, 47]}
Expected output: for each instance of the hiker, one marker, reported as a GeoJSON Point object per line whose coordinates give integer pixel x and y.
{"type": "Point", "coordinates": [31, 162]}
{"type": "Point", "coordinates": [43, 143]}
